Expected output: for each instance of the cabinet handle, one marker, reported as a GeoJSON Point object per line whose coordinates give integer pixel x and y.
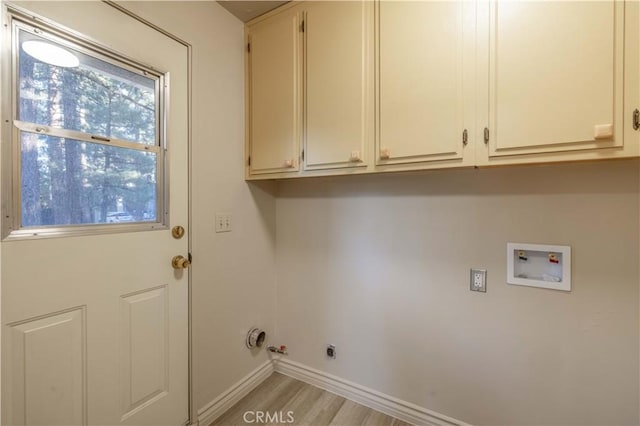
{"type": "Point", "coordinates": [385, 154]}
{"type": "Point", "coordinates": [288, 163]}
{"type": "Point", "coordinates": [355, 157]}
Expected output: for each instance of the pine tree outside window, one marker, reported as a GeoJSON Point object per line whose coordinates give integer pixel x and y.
{"type": "Point", "coordinates": [88, 140]}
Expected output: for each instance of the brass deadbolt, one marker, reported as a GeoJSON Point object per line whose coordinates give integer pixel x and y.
{"type": "Point", "coordinates": [180, 262]}
{"type": "Point", "coordinates": [177, 232]}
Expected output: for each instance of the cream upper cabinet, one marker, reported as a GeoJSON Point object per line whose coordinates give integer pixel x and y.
{"type": "Point", "coordinates": [274, 121]}
{"type": "Point", "coordinates": [555, 75]}
{"type": "Point", "coordinates": [338, 68]}
{"type": "Point", "coordinates": [348, 87]}
{"type": "Point", "coordinates": [425, 70]}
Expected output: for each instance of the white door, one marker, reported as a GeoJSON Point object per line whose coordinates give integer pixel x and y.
{"type": "Point", "coordinates": [94, 317]}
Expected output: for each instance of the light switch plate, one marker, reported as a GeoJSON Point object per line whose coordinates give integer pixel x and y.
{"type": "Point", "coordinates": [478, 280]}
{"type": "Point", "coordinates": [223, 222]}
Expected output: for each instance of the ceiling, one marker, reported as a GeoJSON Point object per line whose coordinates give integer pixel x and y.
{"type": "Point", "coordinates": [247, 10]}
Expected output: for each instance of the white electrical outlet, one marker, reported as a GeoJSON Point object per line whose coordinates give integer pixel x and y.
{"type": "Point", "coordinates": [478, 280]}
{"type": "Point", "coordinates": [224, 222]}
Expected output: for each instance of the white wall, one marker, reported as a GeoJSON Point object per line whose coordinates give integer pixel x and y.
{"type": "Point", "coordinates": [379, 266]}
{"type": "Point", "coordinates": [233, 273]}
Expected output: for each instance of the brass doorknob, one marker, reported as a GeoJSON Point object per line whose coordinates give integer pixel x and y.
{"type": "Point", "coordinates": [180, 262]}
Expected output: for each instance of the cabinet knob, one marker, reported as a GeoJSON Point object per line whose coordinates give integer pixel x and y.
{"type": "Point", "coordinates": [603, 131]}
{"type": "Point", "coordinates": [288, 163]}
{"type": "Point", "coordinates": [385, 154]}
{"type": "Point", "coordinates": [355, 157]}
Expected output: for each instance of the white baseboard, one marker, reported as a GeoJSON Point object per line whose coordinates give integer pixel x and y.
{"type": "Point", "coordinates": [386, 404]}
{"type": "Point", "coordinates": [379, 401]}
{"type": "Point", "coordinates": [235, 393]}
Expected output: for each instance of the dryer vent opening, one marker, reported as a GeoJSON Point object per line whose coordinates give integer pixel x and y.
{"type": "Point", "coordinates": [256, 338]}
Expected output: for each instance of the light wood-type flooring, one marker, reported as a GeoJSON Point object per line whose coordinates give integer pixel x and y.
{"type": "Point", "coordinates": [286, 399]}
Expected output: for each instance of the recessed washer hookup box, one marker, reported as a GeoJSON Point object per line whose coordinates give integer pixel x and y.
{"type": "Point", "coordinates": [539, 265]}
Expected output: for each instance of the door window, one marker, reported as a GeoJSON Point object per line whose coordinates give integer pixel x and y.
{"type": "Point", "coordinates": [87, 131]}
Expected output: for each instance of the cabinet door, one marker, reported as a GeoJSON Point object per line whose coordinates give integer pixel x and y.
{"type": "Point", "coordinates": [274, 113]}
{"type": "Point", "coordinates": [422, 82]}
{"type": "Point", "coordinates": [339, 67]}
{"type": "Point", "coordinates": [555, 76]}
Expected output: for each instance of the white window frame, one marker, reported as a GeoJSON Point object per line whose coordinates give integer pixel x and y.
{"type": "Point", "coordinates": [16, 19]}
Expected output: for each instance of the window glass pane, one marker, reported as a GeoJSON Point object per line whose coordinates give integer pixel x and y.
{"type": "Point", "coordinates": [69, 182]}
{"type": "Point", "coordinates": [94, 97]}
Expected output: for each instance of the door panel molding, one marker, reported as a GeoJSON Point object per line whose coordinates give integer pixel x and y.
{"type": "Point", "coordinates": [40, 393]}
{"type": "Point", "coordinates": [144, 340]}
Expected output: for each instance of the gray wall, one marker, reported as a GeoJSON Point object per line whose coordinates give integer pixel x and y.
{"type": "Point", "coordinates": [379, 266]}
